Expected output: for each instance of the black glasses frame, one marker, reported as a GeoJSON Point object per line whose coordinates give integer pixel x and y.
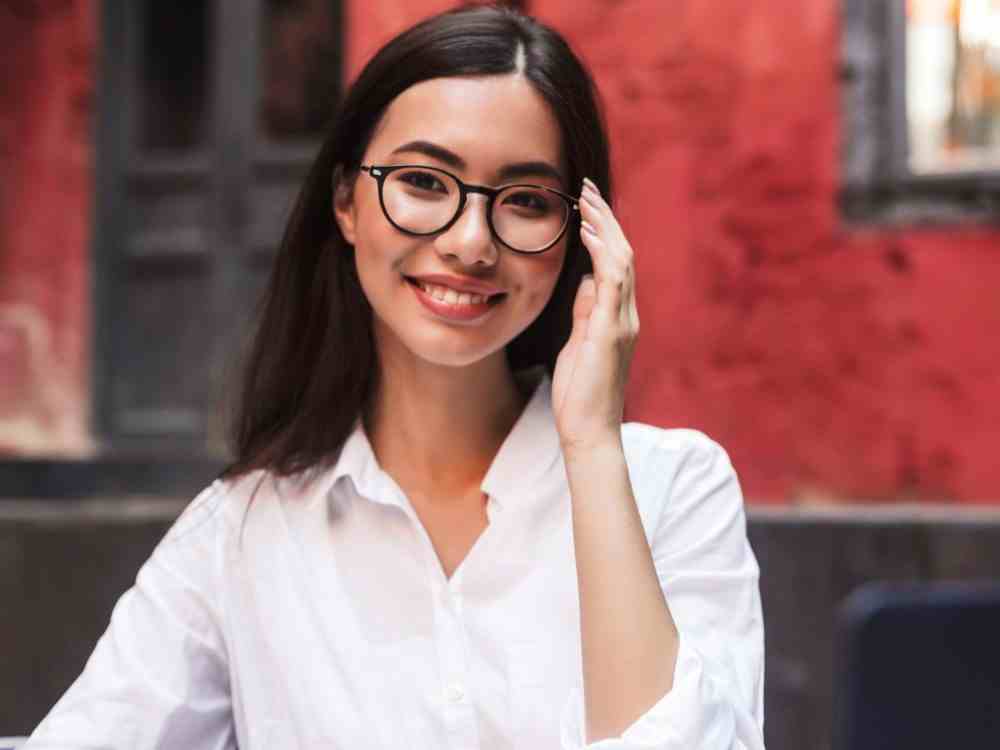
{"type": "Point", "coordinates": [380, 172]}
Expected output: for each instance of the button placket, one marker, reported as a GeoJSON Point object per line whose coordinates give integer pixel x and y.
{"type": "Point", "coordinates": [451, 650]}
{"type": "Point", "coordinates": [455, 693]}
{"type": "Point", "coordinates": [453, 653]}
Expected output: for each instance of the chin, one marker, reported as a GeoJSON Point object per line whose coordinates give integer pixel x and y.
{"type": "Point", "coordinates": [444, 357]}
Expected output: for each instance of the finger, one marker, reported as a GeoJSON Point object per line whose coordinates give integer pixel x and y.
{"type": "Point", "coordinates": [614, 281]}
{"type": "Point", "coordinates": [607, 260]}
{"type": "Point", "coordinates": [594, 217]}
{"type": "Point", "coordinates": [603, 217]}
{"type": "Point", "coordinates": [597, 209]}
{"type": "Point", "coordinates": [629, 297]}
{"type": "Point", "coordinates": [604, 323]}
{"type": "Point", "coordinates": [593, 196]}
{"type": "Point", "coordinates": [617, 252]}
{"type": "Point", "coordinates": [593, 238]}
{"type": "Point", "coordinates": [617, 279]}
{"type": "Point", "coordinates": [610, 273]}
{"type": "Point", "coordinates": [583, 307]}
{"type": "Point", "coordinates": [630, 312]}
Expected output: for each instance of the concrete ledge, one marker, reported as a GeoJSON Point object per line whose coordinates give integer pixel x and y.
{"type": "Point", "coordinates": [129, 508]}
{"type": "Point", "coordinates": [124, 510]}
{"type": "Point", "coordinates": [877, 514]}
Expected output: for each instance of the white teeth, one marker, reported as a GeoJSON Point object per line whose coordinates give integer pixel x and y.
{"type": "Point", "coordinates": [450, 296]}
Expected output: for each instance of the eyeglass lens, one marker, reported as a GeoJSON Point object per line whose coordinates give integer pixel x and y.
{"type": "Point", "coordinates": [424, 200]}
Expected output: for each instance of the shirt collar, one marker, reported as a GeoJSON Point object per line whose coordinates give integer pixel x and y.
{"type": "Point", "coordinates": [525, 456]}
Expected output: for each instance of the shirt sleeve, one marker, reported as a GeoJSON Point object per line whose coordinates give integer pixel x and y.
{"type": "Point", "coordinates": [710, 579]}
{"type": "Point", "coordinates": [158, 676]}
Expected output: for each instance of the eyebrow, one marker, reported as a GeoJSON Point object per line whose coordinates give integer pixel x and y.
{"type": "Point", "coordinates": [508, 172]}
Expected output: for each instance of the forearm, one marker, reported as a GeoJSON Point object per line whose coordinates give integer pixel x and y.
{"type": "Point", "coordinates": [629, 640]}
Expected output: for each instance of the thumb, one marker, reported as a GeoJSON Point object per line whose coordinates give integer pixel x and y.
{"type": "Point", "coordinates": [586, 298]}
{"type": "Point", "coordinates": [583, 306]}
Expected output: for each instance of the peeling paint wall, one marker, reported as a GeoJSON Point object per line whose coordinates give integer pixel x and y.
{"type": "Point", "coordinates": [46, 53]}
{"type": "Point", "coordinates": [833, 363]}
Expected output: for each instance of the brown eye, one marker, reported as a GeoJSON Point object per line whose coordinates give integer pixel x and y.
{"type": "Point", "coordinates": [423, 181]}
{"type": "Point", "coordinates": [533, 200]}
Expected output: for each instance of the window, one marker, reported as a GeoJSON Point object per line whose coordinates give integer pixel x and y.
{"type": "Point", "coordinates": [921, 110]}
{"type": "Point", "coordinates": [953, 85]}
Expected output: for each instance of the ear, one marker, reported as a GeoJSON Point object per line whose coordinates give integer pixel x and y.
{"type": "Point", "coordinates": [343, 203]}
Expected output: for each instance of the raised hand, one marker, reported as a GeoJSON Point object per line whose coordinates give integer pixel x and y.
{"type": "Point", "coordinates": [588, 385]}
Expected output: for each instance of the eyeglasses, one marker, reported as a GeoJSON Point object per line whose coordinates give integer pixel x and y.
{"type": "Point", "coordinates": [421, 200]}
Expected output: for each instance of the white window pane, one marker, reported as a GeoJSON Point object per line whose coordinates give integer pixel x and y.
{"type": "Point", "coordinates": [953, 84]}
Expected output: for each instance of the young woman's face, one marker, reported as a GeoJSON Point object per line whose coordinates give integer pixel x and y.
{"type": "Point", "coordinates": [488, 123]}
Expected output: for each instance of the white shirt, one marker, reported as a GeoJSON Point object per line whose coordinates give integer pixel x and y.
{"type": "Point", "coordinates": [321, 617]}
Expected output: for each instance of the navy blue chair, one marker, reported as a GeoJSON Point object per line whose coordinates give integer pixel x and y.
{"type": "Point", "coordinates": [918, 667]}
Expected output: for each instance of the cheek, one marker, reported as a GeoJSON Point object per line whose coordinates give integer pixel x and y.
{"type": "Point", "coordinates": [541, 279]}
{"type": "Point", "coordinates": [376, 254]}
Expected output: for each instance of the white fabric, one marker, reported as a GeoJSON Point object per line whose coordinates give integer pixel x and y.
{"type": "Point", "coordinates": [320, 617]}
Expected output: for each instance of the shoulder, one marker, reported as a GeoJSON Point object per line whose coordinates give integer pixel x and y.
{"type": "Point", "coordinates": [662, 451]}
{"type": "Point", "coordinates": [678, 470]}
{"type": "Point", "coordinates": [216, 510]}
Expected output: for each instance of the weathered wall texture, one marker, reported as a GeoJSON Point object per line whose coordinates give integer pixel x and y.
{"type": "Point", "coordinates": [46, 53]}
{"type": "Point", "coordinates": [832, 363]}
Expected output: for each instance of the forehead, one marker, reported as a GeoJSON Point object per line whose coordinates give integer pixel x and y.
{"type": "Point", "coordinates": [483, 119]}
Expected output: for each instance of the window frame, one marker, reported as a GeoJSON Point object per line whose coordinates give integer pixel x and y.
{"type": "Point", "coordinates": [877, 184]}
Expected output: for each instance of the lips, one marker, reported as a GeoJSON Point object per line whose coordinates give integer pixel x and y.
{"type": "Point", "coordinates": [491, 293]}
{"type": "Point", "coordinates": [459, 284]}
{"type": "Point", "coordinates": [465, 312]}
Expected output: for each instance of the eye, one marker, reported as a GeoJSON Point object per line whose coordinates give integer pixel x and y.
{"type": "Point", "coordinates": [534, 200]}
{"type": "Point", "coordinates": [423, 181]}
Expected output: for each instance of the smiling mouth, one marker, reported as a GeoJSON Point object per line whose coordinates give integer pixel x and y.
{"type": "Point", "coordinates": [493, 299]}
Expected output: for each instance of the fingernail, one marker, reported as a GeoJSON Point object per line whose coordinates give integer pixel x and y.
{"type": "Point", "coordinates": [588, 227]}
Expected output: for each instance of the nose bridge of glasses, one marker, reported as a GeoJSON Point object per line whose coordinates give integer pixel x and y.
{"type": "Point", "coordinates": [486, 192]}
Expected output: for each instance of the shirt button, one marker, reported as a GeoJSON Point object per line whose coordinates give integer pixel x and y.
{"type": "Point", "coordinates": [455, 693]}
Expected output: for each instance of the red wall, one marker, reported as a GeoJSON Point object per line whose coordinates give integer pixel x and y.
{"type": "Point", "coordinates": [833, 364]}
{"type": "Point", "coordinates": [46, 53]}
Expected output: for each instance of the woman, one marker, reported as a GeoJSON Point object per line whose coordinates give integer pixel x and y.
{"type": "Point", "coordinates": [437, 532]}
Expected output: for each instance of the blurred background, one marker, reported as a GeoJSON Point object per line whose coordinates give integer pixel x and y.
{"type": "Point", "coordinates": [811, 188]}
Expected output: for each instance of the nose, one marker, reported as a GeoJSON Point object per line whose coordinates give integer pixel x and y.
{"type": "Point", "coordinates": [469, 238]}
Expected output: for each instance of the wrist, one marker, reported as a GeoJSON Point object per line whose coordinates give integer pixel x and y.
{"type": "Point", "coordinates": [587, 449]}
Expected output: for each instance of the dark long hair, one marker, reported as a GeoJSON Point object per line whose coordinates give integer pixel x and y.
{"type": "Point", "coordinates": [312, 365]}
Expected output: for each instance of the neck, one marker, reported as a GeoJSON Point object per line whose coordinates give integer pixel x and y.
{"type": "Point", "coordinates": [437, 429]}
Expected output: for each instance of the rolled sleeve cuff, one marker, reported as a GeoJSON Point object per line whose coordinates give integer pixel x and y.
{"type": "Point", "coordinates": [694, 713]}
